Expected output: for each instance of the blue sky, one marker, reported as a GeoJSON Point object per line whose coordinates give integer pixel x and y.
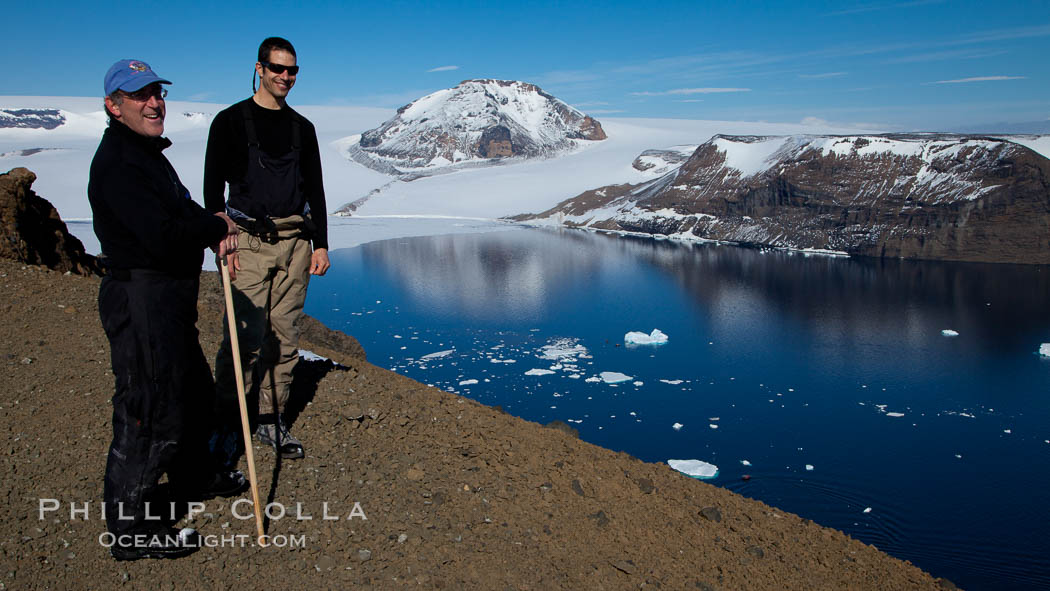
{"type": "Point", "coordinates": [908, 64]}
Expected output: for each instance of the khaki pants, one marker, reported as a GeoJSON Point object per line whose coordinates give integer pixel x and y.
{"type": "Point", "coordinates": [268, 296]}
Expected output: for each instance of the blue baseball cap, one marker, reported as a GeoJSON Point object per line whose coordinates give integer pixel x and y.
{"type": "Point", "coordinates": [130, 75]}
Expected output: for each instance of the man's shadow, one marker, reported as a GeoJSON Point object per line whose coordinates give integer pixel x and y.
{"type": "Point", "coordinates": [306, 376]}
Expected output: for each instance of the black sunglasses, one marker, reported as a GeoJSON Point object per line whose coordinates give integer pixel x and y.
{"type": "Point", "coordinates": [145, 94]}
{"type": "Point", "coordinates": [279, 69]}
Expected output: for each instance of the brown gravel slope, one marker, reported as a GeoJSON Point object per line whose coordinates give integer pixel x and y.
{"type": "Point", "coordinates": [457, 495]}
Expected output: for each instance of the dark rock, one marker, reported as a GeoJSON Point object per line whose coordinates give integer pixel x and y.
{"type": "Point", "coordinates": [645, 485]}
{"type": "Point", "coordinates": [564, 428]}
{"type": "Point", "coordinates": [32, 231]}
{"type": "Point", "coordinates": [601, 518]}
{"type": "Point", "coordinates": [625, 566]}
{"type": "Point", "coordinates": [755, 551]}
{"type": "Point", "coordinates": [577, 488]}
{"type": "Point", "coordinates": [711, 514]}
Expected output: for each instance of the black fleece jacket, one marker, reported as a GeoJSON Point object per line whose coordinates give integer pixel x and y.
{"type": "Point", "coordinates": [142, 213]}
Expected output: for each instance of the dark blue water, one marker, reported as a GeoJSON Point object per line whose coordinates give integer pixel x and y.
{"type": "Point", "coordinates": [798, 365]}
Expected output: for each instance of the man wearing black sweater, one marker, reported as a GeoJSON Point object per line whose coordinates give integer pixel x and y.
{"type": "Point", "coordinates": [268, 156]}
{"type": "Point", "coordinates": [153, 238]}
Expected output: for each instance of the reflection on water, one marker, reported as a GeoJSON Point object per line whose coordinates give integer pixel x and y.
{"type": "Point", "coordinates": [780, 359]}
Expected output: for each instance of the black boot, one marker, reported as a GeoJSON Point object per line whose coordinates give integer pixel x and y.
{"type": "Point", "coordinates": [155, 542]}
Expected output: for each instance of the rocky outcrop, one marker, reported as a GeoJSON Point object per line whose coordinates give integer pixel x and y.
{"type": "Point", "coordinates": [963, 198]}
{"type": "Point", "coordinates": [478, 122]}
{"type": "Point", "coordinates": [659, 162]}
{"type": "Point", "coordinates": [31, 118]}
{"type": "Point", "coordinates": [33, 233]}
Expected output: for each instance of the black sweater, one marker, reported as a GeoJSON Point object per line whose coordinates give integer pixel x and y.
{"type": "Point", "coordinates": [142, 214]}
{"type": "Point", "coordinates": [226, 158]}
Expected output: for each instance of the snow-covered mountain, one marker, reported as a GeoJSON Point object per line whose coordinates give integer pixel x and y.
{"type": "Point", "coordinates": [915, 196]}
{"type": "Point", "coordinates": [477, 122]}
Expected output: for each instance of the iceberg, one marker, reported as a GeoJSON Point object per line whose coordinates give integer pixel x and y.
{"type": "Point", "coordinates": [1044, 349]}
{"type": "Point", "coordinates": [640, 338]}
{"type": "Point", "coordinates": [614, 377]}
{"type": "Point", "coordinates": [950, 333]}
{"type": "Point", "coordinates": [437, 355]}
{"type": "Point", "coordinates": [677, 426]}
{"type": "Point", "coordinates": [694, 468]}
{"type": "Point", "coordinates": [539, 372]}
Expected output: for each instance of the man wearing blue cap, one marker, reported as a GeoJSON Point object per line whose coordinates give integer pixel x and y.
{"type": "Point", "coordinates": [153, 237]}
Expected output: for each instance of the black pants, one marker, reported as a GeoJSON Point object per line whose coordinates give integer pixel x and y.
{"type": "Point", "coordinates": [162, 406]}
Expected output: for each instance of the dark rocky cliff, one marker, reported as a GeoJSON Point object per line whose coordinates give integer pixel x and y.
{"type": "Point", "coordinates": [32, 232]}
{"type": "Point", "coordinates": [962, 198]}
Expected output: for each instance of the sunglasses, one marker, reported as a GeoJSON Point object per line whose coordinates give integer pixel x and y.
{"type": "Point", "coordinates": [279, 69]}
{"type": "Point", "coordinates": [145, 94]}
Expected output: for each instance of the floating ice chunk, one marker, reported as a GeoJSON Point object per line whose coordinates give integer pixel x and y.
{"type": "Point", "coordinates": [677, 426]}
{"type": "Point", "coordinates": [867, 510]}
{"type": "Point", "coordinates": [694, 468]}
{"type": "Point", "coordinates": [895, 414]}
{"type": "Point", "coordinates": [614, 377]}
{"type": "Point", "coordinates": [639, 384]}
{"type": "Point", "coordinates": [809, 467]}
{"type": "Point", "coordinates": [593, 379]}
{"type": "Point", "coordinates": [1007, 431]}
{"type": "Point", "coordinates": [437, 355]}
{"type": "Point", "coordinates": [563, 349]}
{"type": "Point", "coordinates": [745, 462]}
{"type": "Point", "coordinates": [539, 372]}
{"type": "Point", "coordinates": [949, 332]}
{"type": "Point", "coordinates": [1044, 349]}
{"type": "Point", "coordinates": [713, 426]}
{"type": "Point", "coordinates": [468, 382]}
{"type": "Point", "coordinates": [640, 338]}
{"type": "Point", "coordinates": [672, 382]}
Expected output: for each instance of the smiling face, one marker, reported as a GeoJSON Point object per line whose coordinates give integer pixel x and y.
{"type": "Point", "coordinates": [276, 85]}
{"type": "Point", "coordinates": [142, 111]}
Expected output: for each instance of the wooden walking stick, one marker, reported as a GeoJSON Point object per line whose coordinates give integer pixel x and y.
{"type": "Point", "coordinates": [235, 348]}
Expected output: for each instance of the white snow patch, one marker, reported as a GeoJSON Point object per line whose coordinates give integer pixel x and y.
{"type": "Point", "coordinates": [311, 356]}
